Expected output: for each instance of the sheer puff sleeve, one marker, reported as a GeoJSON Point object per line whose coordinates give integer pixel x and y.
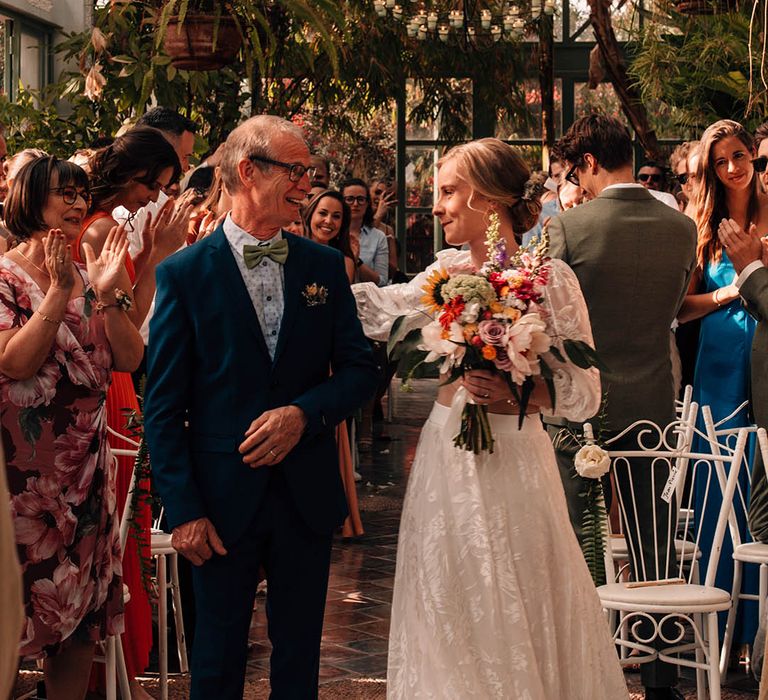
{"type": "Point", "coordinates": [577, 391]}
{"type": "Point", "coordinates": [379, 307]}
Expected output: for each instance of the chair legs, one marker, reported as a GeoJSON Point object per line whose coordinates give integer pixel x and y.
{"type": "Point", "coordinates": [731, 621]}
{"type": "Point", "coordinates": [162, 625]}
{"type": "Point", "coordinates": [701, 674]}
{"type": "Point", "coordinates": [714, 666]}
{"type": "Point", "coordinates": [181, 641]}
{"type": "Point", "coordinates": [162, 615]}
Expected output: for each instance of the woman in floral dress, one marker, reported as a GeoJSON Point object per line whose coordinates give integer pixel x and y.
{"type": "Point", "coordinates": [62, 332]}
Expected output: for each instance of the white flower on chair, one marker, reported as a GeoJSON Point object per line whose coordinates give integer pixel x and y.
{"type": "Point", "coordinates": [592, 462]}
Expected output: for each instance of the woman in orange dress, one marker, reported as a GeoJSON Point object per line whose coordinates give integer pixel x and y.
{"type": "Point", "coordinates": [130, 173]}
{"type": "Point", "coordinates": [327, 220]}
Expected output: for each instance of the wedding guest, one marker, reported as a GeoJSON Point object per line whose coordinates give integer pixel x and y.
{"type": "Point", "coordinates": [728, 189]}
{"type": "Point", "coordinates": [761, 146]}
{"type": "Point", "coordinates": [211, 211]}
{"type": "Point", "coordinates": [129, 173]}
{"type": "Point", "coordinates": [683, 167]}
{"type": "Point", "coordinates": [371, 251]}
{"type": "Point", "coordinates": [327, 220]}
{"type": "Point", "coordinates": [63, 329]}
{"type": "Point", "coordinates": [180, 132]}
{"type": "Point", "coordinates": [369, 244]}
{"type": "Point", "coordinates": [383, 199]}
{"type": "Point", "coordinates": [651, 176]}
{"type": "Point", "coordinates": [322, 166]}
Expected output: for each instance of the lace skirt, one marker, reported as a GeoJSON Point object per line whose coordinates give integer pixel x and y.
{"type": "Point", "coordinates": [492, 596]}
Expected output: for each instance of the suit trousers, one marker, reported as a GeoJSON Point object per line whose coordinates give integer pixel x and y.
{"type": "Point", "coordinates": [296, 560]}
{"type": "Point", "coordinates": [650, 557]}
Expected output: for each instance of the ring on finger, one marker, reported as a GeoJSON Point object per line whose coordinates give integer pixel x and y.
{"type": "Point", "coordinates": [273, 453]}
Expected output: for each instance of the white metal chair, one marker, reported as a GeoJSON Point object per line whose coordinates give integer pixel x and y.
{"type": "Point", "coordinates": [749, 552]}
{"type": "Point", "coordinates": [163, 552]}
{"type": "Point", "coordinates": [662, 602]}
{"type": "Point", "coordinates": [683, 428]}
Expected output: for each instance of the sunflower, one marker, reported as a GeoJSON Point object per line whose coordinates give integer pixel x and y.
{"type": "Point", "coordinates": [433, 290]}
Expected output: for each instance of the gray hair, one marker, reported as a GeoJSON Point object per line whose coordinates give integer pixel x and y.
{"type": "Point", "coordinates": [253, 138]}
{"type": "Point", "coordinates": [17, 161]}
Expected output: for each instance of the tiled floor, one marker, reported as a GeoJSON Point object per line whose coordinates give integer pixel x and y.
{"type": "Point", "coordinates": [362, 571]}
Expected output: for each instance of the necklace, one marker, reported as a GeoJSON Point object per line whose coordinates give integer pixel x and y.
{"type": "Point", "coordinates": [45, 272]}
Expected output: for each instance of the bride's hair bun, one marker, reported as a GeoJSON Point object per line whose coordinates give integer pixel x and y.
{"type": "Point", "coordinates": [525, 211]}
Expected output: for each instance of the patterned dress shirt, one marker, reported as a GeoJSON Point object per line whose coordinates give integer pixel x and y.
{"type": "Point", "coordinates": [265, 282]}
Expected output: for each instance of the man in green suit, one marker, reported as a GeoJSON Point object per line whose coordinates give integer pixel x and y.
{"type": "Point", "coordinates": [633, 257]}
{"type": "Point", "coordinates": [749, 254]}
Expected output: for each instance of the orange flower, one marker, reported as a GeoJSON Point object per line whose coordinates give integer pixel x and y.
{"type": "Point", "coordinates": [489, 352]}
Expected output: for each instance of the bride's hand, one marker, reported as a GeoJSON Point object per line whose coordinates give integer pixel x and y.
{"type": "Point", "coordinates": [487, 387]}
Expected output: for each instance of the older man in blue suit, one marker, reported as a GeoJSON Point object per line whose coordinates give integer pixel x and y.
{"type": "Point", "coordinates": [256, 354]}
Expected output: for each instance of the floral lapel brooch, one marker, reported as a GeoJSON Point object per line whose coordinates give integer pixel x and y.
{"type": "Point", "coordinates": [315, 294]}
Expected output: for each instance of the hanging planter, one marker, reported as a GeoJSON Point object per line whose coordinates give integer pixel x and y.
{"type": "Point", "coordinates": [202, 41]}
{"type": "Point", "coordinates": [704, 7]}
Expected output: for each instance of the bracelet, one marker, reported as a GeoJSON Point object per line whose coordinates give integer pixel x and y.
{"type": "Point", "coordinates": [122, 301]}
{"type": "Point", "coordinates": [48, 319]}
{"type": "Point", "coordinates": [714, 298]}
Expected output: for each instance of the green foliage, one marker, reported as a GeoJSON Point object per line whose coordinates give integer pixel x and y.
{"type": "Point", "coordinates": [594, 530]}
{"type": "Point", "coordinates": [700, 67]}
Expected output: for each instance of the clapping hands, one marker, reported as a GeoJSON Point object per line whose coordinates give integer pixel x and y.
{"type": "Point", "coordinates": [107, 271]}
{"type": "Point", "coordinates": [166, 232]}
{"type": "Point", "coordinates": [741, 246]}
{"type": "Point", "coordinates": [58, 259]}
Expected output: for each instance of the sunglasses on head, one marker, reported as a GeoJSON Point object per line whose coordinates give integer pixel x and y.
{"type": "Point", "coordinates": [759, 164]}
{"type": "Point", "coordinates": [648, 177]}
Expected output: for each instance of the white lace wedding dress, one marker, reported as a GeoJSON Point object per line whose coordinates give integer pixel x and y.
{"type": "Point", "coordinates": [492, 596]}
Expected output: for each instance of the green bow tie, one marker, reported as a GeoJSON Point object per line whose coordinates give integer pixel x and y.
{"type": "Point", "coordinates": [276, 250]}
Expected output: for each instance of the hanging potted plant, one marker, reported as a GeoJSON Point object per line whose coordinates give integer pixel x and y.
{"type": "Point", "coordinates": [199, 34]}
{"type": "Point", "coordinates": [208, 34]}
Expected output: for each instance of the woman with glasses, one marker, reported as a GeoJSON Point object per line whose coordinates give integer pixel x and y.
{"type": "Point", "coordinates": [728, 189]}
{"type": "Point", "coordinates": [130, 173]}
{"type": "Point", "coordinates": [63, 330]}
{"type": "Point", "coordinates": [371, 254]}
{"type": "Point", "coordinates": [369, 244]}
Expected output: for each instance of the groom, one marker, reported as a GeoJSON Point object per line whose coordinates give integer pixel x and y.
{"type": "Point", "coordinates": [633, 257]}
{"type": "Point", "coordinates": [256, 355]}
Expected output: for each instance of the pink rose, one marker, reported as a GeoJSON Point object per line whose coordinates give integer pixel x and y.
{"type": "Point", "coordinates": [492, 332]}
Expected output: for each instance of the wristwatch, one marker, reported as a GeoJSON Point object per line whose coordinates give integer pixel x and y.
{"type": "Point", "coordinates": [358, 263]}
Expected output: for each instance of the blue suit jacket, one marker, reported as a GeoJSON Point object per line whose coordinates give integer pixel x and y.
{"type": "Point", "coordinates": [210, 375]}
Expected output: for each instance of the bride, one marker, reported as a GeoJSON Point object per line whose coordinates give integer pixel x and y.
{"type": "Point", "coordinates": [492, 595]}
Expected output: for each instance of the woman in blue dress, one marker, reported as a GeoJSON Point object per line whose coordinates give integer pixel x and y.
{"type": "Point", "coordinates": [728, 189]}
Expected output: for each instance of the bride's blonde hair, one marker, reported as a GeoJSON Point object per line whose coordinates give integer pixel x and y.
{"type": "Point", "coordinates": [496, 171]}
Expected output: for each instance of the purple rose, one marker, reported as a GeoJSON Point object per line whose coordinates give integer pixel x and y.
{"type": "Point", "coordinates": [492, 332]}
{"type": "Point", "coordinates": [503, 361]}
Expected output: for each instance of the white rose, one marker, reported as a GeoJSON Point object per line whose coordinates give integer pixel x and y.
{"type": "Point", "coordinates": [592, 461]}
{"type": "Point", "coordinates": [470, 313]}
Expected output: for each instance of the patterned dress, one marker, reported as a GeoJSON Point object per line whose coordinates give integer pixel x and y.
{"type": "Point", "coordinates": [60, 475]}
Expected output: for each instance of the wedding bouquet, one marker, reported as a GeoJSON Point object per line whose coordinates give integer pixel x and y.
{"type": "Point", "coordinates": [492, 318]}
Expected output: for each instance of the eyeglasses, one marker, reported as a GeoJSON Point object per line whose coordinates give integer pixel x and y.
{"type": "Point", "coordinates": [70, 194]}
{"type": "Point", "coordinates": [760, 163]}
{"type": "Point", "coordinates": [648, 177]}
{"type": "Point", "coordinates": [572, 176]}
{"type": "Point", "coordinates": [360, 199]}
{"type": "Point", "coordinates": [296, 171]}
{"type": "Point", "coordinates": [685, 178]}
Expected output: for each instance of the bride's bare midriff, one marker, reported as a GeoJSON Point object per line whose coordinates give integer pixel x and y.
{"type": "Point", "coordinates": [446, 392]}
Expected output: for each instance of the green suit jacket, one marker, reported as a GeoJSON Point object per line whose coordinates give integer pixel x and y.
{"type": "Point", "coordinates": [633, 257]}
{"type": "Point", "coordinates": [754, 291]}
